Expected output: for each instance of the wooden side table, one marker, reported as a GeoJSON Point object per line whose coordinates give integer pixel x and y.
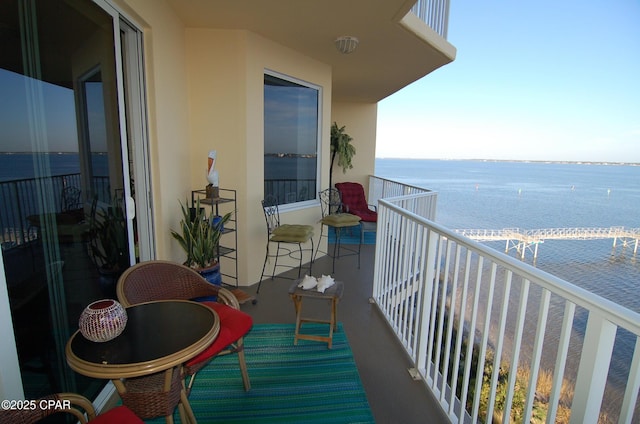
{"type": "Point", "coordinates": [333, 294]}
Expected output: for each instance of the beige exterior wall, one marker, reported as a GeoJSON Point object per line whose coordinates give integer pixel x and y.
{"type": "Point", "coordinates": [226, 85]}
{"type": "Point", "coordinates": [360, 120]}
{"type": "Point", "coordinates": [205, 92]}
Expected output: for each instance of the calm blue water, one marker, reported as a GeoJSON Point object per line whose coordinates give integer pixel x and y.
{"type": "Point", "coordinates": [16, 166]}
{"type": "Point", "coordinates": [23, 166]}
{"type": "Point", "coordinates": [288, 168]}
{"type": "Point", "coordinates": [496, 195]}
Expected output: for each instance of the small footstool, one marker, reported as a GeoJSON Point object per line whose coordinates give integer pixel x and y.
{"type": "Point", "coordinates": [333, 294]}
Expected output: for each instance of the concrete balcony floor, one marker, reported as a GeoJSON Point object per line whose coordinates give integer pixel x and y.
{"type": "Point", "coordinates": [383, 365]}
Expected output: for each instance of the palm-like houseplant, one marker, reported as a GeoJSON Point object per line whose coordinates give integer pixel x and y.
{"type": "Point", "coordinates": [341, 149]}
{"type": "Point", "coordinates": [200, 238]}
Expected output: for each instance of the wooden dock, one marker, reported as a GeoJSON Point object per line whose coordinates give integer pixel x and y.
{"type": "Point", "coordinates": [521, 240]}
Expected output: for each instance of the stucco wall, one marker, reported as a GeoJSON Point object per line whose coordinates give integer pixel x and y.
{"type": "Point", "coordinates": [359, 120]}
{"type": "Point", "coordinates": [205, 92]}
{"type": "Point", "coordinates": [226, 86]}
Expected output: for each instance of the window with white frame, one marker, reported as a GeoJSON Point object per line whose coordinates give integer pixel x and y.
{"type": "Point", "coordinates": [291, 139]}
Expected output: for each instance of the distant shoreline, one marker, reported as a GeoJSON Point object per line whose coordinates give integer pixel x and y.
{"type": "Point", "coordinates": [293, 155]}
{"type": "Point", "coordinates": [568, 162]}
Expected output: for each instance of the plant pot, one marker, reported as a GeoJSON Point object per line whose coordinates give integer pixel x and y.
{"type": "Point", "coordinates": [212, 274]}
{"type": "Point", "coordinates": [217, 223]}
{"type": "Point", "coordinates": [108, 280]}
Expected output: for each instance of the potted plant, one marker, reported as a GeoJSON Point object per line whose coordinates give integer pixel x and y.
{"type": "Point", "coordinates": [108, 243]}
{"type": "Point", "coordinates": [200, 239]}
{"type": "Point", "coordinates": [341, 149]}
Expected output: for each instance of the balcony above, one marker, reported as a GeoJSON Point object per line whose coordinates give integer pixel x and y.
{"type": "Point", "coordinates": [395, 47]}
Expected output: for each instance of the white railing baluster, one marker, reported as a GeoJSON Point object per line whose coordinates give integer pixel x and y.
{"type": "Point", "coordinates": [471, 341]}
{"type": "Point", "coordinates": [461, 321]}
{"type": "Point", "coordinates": [408, 240]}
{"type": "Point", "coordinates": [498, 353]}
{"type": "Point", "coordinates": [426, 328]}
{"type": "Point", "coordinates": [415, 290]}
{"type": "Point", "coordinates": [561, 361]}
{"type": "Point", "coordinates": [446, 250]}
{"type": "Point", "coordinates": [434, 13]}
{"type": "Point", "coordinates": [447, 345]}
{"type": "Point", "coordinates": [423, 291]}
{"type": "Point", "coordinates": [515, 355]}
{"type": "Point", "coordinates": [486, 329]}
{"type": "Point", "coordinates": [594, 366]}
{"type": "Point", "coordinates": [633, 384]}
{"type": "Point", "coordinates": [433, 332]}
{"type": "Point", "coordinates": [537, 350]}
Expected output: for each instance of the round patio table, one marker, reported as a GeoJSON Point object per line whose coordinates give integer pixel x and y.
{"type": "Point", "coordinates": [159, 337]}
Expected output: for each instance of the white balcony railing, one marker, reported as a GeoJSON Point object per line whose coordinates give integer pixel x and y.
{"type": "Point", "coordinates": [424, 205]}
{"type": "Point", "coordinates": [434, 13]}
{"type": "Point", "coordinates": [494, 337]}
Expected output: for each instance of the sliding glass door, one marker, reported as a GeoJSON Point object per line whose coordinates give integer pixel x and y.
{"type": "Point", "coordinates": [67, 175]}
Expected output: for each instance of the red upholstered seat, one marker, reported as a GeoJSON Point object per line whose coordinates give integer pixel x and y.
{"type": "Point", "coordinates": [355, 202]}
{"type": "Point", "coordinates": [120, 415]}
{"type": "Point", "coordinates": [233, 325]}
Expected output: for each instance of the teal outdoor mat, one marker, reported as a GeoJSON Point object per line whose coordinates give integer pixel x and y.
{"type": "Point", "coordinates": [352, 236]}
{"type": "Point", "coordinates": [307, 383]}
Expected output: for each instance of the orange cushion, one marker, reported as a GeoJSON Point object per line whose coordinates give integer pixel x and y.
{"type": "Point", "coordinates": [233, 325]}
{"type": "Point", "coordinates": [120, 414]}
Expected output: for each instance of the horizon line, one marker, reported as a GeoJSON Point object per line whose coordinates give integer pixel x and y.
{"type": "Point", "coordinates": [585, 162]}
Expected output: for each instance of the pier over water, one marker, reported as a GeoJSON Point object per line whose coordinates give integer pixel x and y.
{"type": "Point", "coordinates": [521, 240]}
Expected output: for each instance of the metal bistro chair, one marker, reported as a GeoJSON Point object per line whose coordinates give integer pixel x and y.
{"type": "Point", "coordinates": [165, 280]}
{"type": "Point", "coordinates": [70, 199]}
{"type": "Point", "coordinates": [334, 218]}
{"type": "Point", "coordinates": [284, 235]}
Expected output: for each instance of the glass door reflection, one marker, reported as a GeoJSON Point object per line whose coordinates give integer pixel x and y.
{"type": "Point", "coordinates": [63, 232]}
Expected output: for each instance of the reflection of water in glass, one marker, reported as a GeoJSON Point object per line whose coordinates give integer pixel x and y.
{"type": "Point", "coordinates": [19, 199]}
{"type": "Point", "coordinates": [16, 166]}
{"type": "Point", "coordinates": [497, 195]}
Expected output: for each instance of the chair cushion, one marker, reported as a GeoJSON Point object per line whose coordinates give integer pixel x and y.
{"type": "Point", "coordinates": [233, 325]}
{"type": "Point", "coordinates": [341, 220]}
{"type": "Point", "coordinates": [292, 233]}
{"type": "Point", "coordinates": [353, 197]}
{"type": "Point", "coordinates": [120, 414]}
{"type": "Point", "coordinates": [366, 215]}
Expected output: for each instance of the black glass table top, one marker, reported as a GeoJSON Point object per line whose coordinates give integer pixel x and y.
{"type": "Point", "coordinates": [154, 330]}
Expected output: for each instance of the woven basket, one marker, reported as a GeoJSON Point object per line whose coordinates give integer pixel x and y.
{"type": "Point", "coordinates": [102, 320]}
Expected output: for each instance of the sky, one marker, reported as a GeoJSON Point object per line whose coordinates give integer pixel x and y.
{"type": "Point", "coordinates": [532, 80]}
{"type": "Point", "coordinates": [58, 106]}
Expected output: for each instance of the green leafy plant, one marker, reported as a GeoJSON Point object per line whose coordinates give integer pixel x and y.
{"type": "Point", "coordinates": [341, 150]}
{"type": "Point", "coordinates": [108, 243]}
{"type": "Point", "coordinates": [198, 237]}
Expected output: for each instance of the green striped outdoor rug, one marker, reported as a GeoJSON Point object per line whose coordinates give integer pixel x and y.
{"type": "Point", "coordinates": [307, 383]}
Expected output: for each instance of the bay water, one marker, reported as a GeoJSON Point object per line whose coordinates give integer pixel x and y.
{"type": "Point", "coordinates": [540, 195]}
{"type": "Point", "coordinates": [536, 195]}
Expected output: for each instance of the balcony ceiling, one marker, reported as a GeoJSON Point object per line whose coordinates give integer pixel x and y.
{"type": "Point", "coordinates": [388, 58]}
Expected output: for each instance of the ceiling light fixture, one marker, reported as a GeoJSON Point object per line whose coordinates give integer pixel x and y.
{"type": "Point", "coordinates": [346, 44]}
